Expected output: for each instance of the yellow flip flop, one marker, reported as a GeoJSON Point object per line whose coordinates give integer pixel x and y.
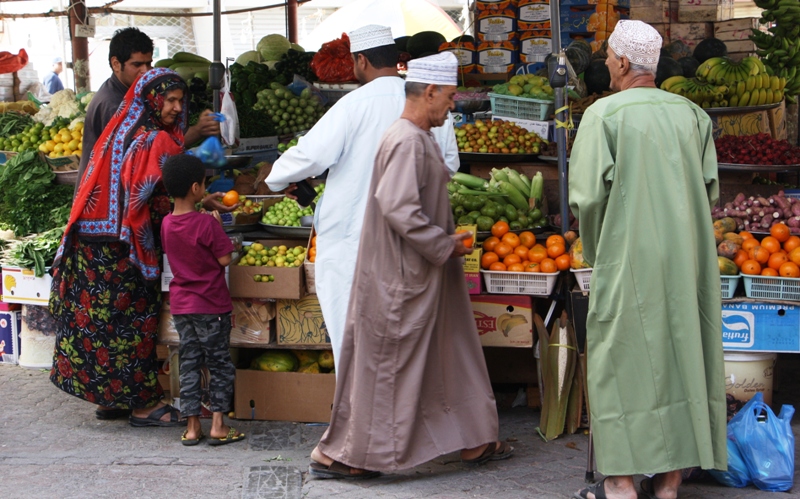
{"type": "Point", "coordinates": [232, 436]}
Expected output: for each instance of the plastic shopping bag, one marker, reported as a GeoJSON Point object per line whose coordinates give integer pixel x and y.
{"type": "Point", "coordinates": [210, 152]}
{"type": "Point", "coordinates": [737, 475]}
{"type": "Point", "coordinates": [766, 443]}
{"type": "Point", "coordinates": [229, 127]}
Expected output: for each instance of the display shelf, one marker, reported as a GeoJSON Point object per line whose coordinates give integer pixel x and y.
{"type": "Point", "coordinates": [757, 168]}
{"type": "Point", "coordinates": [721, 111]}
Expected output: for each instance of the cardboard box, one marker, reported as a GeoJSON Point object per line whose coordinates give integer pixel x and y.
{"type": "Point", "coordinates": [496, 25]}
{"type": "Point", "coordinates": [309, 267]}
{"type": "Point", "coordinates": [592, 19]}
{"type": "Point", "coordinates": [289, 283]}
{"type": "Point", "coordinates": [495, 4]}
{"type": "Point", "coordinates": [251, 323]}
{"type": "Point", "coordinates": [63, 163]}
{"type": "Point", "coordinates": [491, 314]}
{"type": "Point", "coordinates": [533, 15]}
{"type": "Point", "coordinates": [760, 326]}
{"type": "Point", "coordinates": [474, 282]}
{"type": "Point", "coordinates": [777, 122]}
{"type": "Point", "coordinates": [620, 3]}
{"type": "Point", "coordinates": [747, 123]}
{"type": "Point", "coordinates": [22, 286]}
{"type": "Point", "coordinates": [534, 46]}
{"type": "Point", "coordinates": [301, 397]}
{"type": "Point", "coordinates": [705, 10]}
{"type": "Point", "coordinates": [300, 322]}
{"type": "Point", "coordinates": [10, 328]}
{"type": "Point", "coordinates": [464, 52]}
{"type": "Point", "coordinates": [691, 33]}
{"type": "Point", "coordinates": [496, 57]}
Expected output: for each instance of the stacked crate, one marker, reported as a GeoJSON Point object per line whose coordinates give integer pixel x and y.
{"type": "Point", "coordinates": [590, 20]}
{"type": "Point", "coordinates": [735, 33]}
{"type": "Point", "coordinates": [660, 14]}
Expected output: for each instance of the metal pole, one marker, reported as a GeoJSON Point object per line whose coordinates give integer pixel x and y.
{"type": "Point", "coordinates": [559, 92]}
{"type": "Point", "coordinates": [291, 18]}
{"type": "Point", "coordinates": [217, 69]}
{"type": "Point", "coordinates": [80, 46]}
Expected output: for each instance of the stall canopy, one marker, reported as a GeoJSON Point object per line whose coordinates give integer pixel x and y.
{"type": "Point", "coordinates": [405, 17]}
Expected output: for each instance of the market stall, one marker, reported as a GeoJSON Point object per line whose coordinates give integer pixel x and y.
{"type": "Point", "coordinates": [518, 110]}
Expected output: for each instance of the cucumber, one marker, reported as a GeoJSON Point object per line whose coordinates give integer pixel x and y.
{"type": "Point", "coordinates": [187, 57]}
{"type": "Point", "coordinates": [196, 65]}
{"type": "Point", "coordinates": [164, 63]}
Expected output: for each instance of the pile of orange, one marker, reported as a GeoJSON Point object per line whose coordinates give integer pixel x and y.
{"type": "Point", "coordinates": [777, 255]}
{"type": "Point", "coordinates": [506, 251]}
{"type": "Point", "coordinates": [312, 250]}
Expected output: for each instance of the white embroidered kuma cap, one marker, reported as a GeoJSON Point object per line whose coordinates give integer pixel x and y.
{"type": "Point", "coordinates": [369, 37]}
{"type": "Point", "coordinates": [436, 69]}
{"type": "Point", "coordinates": [636, 40]}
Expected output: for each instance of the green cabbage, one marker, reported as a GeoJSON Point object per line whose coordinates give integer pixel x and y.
{"type": "Point", "coordinates": [272, 47]}
{"type": "Point", "coordinates": [250, 55]}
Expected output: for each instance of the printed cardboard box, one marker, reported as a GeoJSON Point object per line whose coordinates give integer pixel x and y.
{"type": "Point", "coordinates": [288, 283]}
{"type": "Point", "coordinates": [757, 326]}
{"type": "Point", "coordinates": [504, 321]}
{"type": "Point", "coordinates": [474, 282]}
{"type": "Point", "coordinates": [167, 275]}
{"type": "Point", "coordinates": [534, 46]}
{"type": "Point", "coordinates": [533, 15]}
{"type": "Point", "coordinates": [10, 328]}
{"type": "Point", "coordinates": [496, 25]}
{"type": "Point", "coordinates": [496, 57]}
{"type": "Point", "coordinates": [22, 286]}
{"type": "Point", "coordinates": [300, 322]}
{"type": "Point", "coordinates": [301, 397]}
{"type": "Point", "coordinates": [464, 52]}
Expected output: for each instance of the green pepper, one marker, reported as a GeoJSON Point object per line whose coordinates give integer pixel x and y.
{"type": "Point", "coordinates": [484, 223]}
{"type": "Point", "coordinates": [465, 220]}
{"type": "Point", "coordinates": [515, 225]}
{"type": "Point", "coordinates": [524, 221]}
{"type": "Point", "coordinates": [489, 210]}
{"type": "Point", "coordinates": [459, 212]}
{"type": "Point", "coordinates": [511, 213]}
{"type": "Point", "coordinates": [474, 214]}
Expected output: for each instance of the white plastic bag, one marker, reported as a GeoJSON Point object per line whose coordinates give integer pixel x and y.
{"type": "Point", "coordinates": [229, 128]}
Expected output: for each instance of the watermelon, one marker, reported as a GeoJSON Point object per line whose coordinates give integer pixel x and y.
{"type": "Point", "coordinates": [708, 48]}
{"type": "Point", "coordinates": [597, 77]}
{"type": "Point", "coordinates": [667, 68]}
{"type": "Point", "coordinates": [689, 65]}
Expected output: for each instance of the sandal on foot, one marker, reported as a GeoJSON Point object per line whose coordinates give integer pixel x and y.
{"type": "Point", "coordinates": [597, 489]}
{"type": "Point", "coordinates": [232, 436]}
{"type": "Point", "coordinates": [492, 452]}
{"type": "Point", "coordinates": [106, 414]}
{"type": "Point", "coordinates": [648, 489]}
{"type": "Point", "coordinates": [191, 441]}
{"type": "Point", "coordinates": [154, 418]}
{"type": "Point", "coordinates": [338, 470]}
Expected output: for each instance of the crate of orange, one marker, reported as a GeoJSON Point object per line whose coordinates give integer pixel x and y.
{"type": "Point", "coordinates": [516, 264]}
{"type": "Point", "coordinates": [771, 267]}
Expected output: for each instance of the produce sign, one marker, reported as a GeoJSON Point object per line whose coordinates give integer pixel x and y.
{"type": "Point", "coordinates": [780, 48]}
{"type": "Point", "coordinates": [302, 361]}
{"type": "Point", "coordinates": [722, 82]}
{"type": "Point", "coordinates": [499, 136]}
{"type": "Point", "coordinates": [287, 212]}
{"type": "Point", "coordinates": [759, 149]}
{"type": "Point", "coordinates": [276, 256]}
{"type": "Point", "coordinates": [776, 255]}
{"type": "Point", "coordinates": [483, 203]}
{"type": "Point", "coordinates": [759, 214]}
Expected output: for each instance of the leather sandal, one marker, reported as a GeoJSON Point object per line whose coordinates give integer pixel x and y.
{"type": "Point", "coordinates": [598, 489]}
{"type": "Point", "coordinates": [154, 418]}
{"type": "Point", "coordinates": [338, 470]}
{"type": "Point", "coordinates": [492, 452]}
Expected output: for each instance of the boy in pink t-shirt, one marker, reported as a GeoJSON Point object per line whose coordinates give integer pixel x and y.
{"type": "Point", "coordinates": [198, 251]}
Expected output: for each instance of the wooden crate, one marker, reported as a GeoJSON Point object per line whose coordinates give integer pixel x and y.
{"type": "Point", "coordinates": [690, 33]}
{"type": "Point", "coordinates": [654, 11]}
{"type": "Point", "coordinates": [663, 30]}
{"type": "Point", "coordinates": [735, 33]}
{"type": "Point", "coordinates": [704, 10]}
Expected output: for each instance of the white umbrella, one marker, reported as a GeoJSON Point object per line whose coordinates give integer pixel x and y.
{"type": "Point", "coordinates": [405, 17]}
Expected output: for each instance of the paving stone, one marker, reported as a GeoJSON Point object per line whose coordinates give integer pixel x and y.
{"type": "Point", "coordinates": [273, 482]}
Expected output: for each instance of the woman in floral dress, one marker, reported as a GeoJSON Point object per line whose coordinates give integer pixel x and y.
{"type": "Point", "coordinates": [106, 293]}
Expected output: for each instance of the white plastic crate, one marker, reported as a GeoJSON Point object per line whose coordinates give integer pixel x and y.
{"type": "Point", "coordinates": [519, 283]}
{"type": "Point", "coordinates": [519, 107]}
{"type": "Point", "coordinates": [728, 284]}
{"type": "Point", "coordinates": [776, 288]}
{"type": "Point", "coordinates": [583, 276]}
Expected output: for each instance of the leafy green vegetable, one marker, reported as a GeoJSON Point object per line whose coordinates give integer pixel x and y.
{"type": "Point", "coordinates": [12, 123]}
{"type": "Point", "coordinates": [30, 201]}
{"type": "Point", "coordinates": [35, 251]}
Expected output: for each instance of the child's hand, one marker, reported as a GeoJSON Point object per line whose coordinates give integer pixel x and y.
{"type": "Point", "coordinates": [215, 214]}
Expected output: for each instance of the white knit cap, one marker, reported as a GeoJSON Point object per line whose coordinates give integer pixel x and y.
{"type": "Point", "coordinates": [636, 40]}
{"type": "Point", "coordinates": [369, 37]}
{"type": "Point", "coordinates": [436, 69]}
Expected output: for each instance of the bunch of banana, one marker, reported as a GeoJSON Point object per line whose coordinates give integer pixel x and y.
{"type": "Point", "coordinates": [702, 93]}
{"type": "Point", "coordinates": [757, 91]}
{"type": "Point", "coordinates": [726, 71]}
{"type": "Point", "coordinates": [507, 322]}
{"type": "Point", "coordinates": [780, 47]}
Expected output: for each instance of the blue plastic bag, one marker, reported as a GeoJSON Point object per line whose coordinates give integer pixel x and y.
{"type": "Point", "coordinates": [766, 444]}
{"type": "Point", "coordinates": [737, 475]}
{"type": "Point", "coordinates": [210, 152]}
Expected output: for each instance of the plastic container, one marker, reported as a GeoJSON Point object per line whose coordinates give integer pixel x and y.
{"type": "Point", "coordinates": [776, 288]}
{"type": "Point", "coordinates": [519, 283]}
{"type": "Point", "coordinates": [728, 284]}
{"type": "Point", "coordinates": [583, 276]}
{"type": "Point", "coordinates": [518, 107]}
{"type": "Point", "coordinates": [747, 374]}
{"type": "Point", "coordinates": [37, 337]}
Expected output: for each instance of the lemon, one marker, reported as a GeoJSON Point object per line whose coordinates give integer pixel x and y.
{"type": "Point", "coordinates": [66, 137]}
{"type": "Point", "coordinates": [51, 145]}
{"type": "Point", "coordinates": [73, 144]}
{"type": "Point", "coordinates": [58, 148]}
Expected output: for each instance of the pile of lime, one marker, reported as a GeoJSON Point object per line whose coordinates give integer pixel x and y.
{"type": "Point", "coordinates": [258, 255]}
{"type": "Point", "coordinates": [55, 140]}
{"type": "Point", "coordinates": [283, 147]}
{"type": "Point", "coordinates": [287, 212]}
{"type": "Point", "coordinates": [289, 113]}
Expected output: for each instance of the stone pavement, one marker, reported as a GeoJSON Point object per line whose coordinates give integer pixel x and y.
{"type": "Point", "coordinates": [51, 446]}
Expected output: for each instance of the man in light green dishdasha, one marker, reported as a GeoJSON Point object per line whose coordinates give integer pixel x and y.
{"type": "Point", "coordinates": [643, 175]}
